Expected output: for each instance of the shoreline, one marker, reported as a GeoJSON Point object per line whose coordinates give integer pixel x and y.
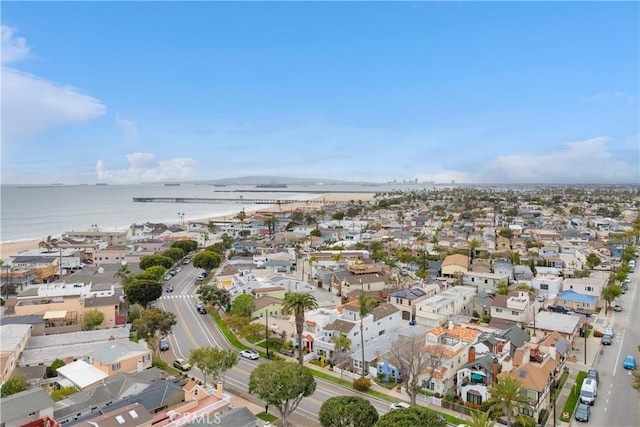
{"type": "Point", "coordinates": [9, 249]}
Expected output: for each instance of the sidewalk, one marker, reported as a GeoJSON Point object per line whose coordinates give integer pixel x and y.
{"type": "Point", "coordinates": [579, 361]}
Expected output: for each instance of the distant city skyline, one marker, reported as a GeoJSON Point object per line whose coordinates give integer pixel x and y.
{"type": "Point", "coordinates": [464, 92]}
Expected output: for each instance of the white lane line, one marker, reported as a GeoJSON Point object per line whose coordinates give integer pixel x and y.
{"type": "Point", "coordinates": [615, 367]}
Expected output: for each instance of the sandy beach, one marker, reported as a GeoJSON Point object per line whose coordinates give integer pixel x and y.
{"type": "Point", "coordinates": [9, 249]}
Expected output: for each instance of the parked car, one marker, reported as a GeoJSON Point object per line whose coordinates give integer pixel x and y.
{"type": "Point", "coordinates": [153, 304]}
{"type": "Point", "coordinates": [606, 340]}
{"type": "Point", "coordinates": [182, 364]}
{"type": "Point", "coordinates": [582, 413]}
{"type": "Point", "coordinates": [582, 312]}
{"type": "Point", "coordinates": [169, 288]}
{"type": "Point", "coordinates": [186, 261]}
{"type": "Point", "coordinates": [558, 309]}
{"type": "Point", "coordinates": [629, 362]}
{"type": "Point", "coordinates": [250, 354]}
{"type": "Point", "coordinates": [399, 405]}
{"type": "Point", "coordinates": [617, 307]}
{"type": "Point", "coordinates": [589, 391]}
{"type": "Point", "coordinates": [164, 344]}
{"type": "Point", "coordinates": [201, 277]}
{"type": "Point", "coordinates": [168, 277]}
{"type": "Point", "coordinates": [609, 331]}
{"type": "Point", "coordinates": [201, 308]}
{"type": "Point", "coordinates": [593, 373]}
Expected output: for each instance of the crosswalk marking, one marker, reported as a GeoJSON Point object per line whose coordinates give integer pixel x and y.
{"type": "Point", "coordinates": [176, 296]}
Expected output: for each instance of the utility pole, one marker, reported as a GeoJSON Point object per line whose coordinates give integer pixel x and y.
{"type": "Point", "coordinates": [586, 328]}
{"type": "Point", "coordinates": [266, 330]}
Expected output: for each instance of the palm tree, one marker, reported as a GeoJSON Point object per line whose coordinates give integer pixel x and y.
{"type": "Point", "coordinates": [297, 303]}
{"type": "Point", "coordinates": [123, 274]}
{"type": "Point", "coordinates": [341, 346]}
{"type": "Point", "coordinates": [507, 394]}
{"type": "Point", "coordinates": [242, 216]}
{"type": "Point", "coordinates": [481, 419]}
{"type": "Point", "coordinates": [311, 260]}
{"type": "Point", "coordinates": [366, 304]}
{"type": "Point", "coordinates": [48, 243]}
{"type": "Point", "coordinates": [473, 245]}
{"type": "Point", "coordinates": [271, 223]}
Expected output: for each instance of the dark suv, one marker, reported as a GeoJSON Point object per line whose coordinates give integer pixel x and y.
{"type": "Point", "coordinates": [558, 309]}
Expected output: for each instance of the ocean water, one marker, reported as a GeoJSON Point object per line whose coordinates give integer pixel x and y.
{"type": "Point", "coordinates": [34, 212]}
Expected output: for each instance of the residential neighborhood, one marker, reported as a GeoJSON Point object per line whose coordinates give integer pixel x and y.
{"type": "Point", "coordinates": [493, 284]}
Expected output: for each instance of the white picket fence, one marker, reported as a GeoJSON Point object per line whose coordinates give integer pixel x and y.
{"type": "Point", "coordinates": [346, 373]}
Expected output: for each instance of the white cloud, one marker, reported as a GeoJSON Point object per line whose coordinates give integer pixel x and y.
{"type": "Point", "coordinates": [12, 48]}
{"type": "Point", "coordinates": [615, 95]}
{"type": "Point", "coordinates": [144, 167]}
{"type": "Point", "coordinates": [587, 161]}
{"type": "Point", "coordinates": [129, 127]}
{"type": "Point", "coordinates": [31, 104]}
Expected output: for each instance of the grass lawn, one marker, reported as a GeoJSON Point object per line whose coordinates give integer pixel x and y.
{"type": "Point", "coordinates": [227, 333]}
{"type": "Point", "coordinates": [267, 417]}
{"type": "Point", "coordinates": [572, 400]}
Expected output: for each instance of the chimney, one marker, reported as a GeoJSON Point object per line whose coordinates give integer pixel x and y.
{"type": "Point", "coordinates": [526, 355]}
{"type": "Point", "coordinates": [472, 354]}
{"type": "Point", "coordinates": [495, 369]}
{"type": "Point", "coordinates": [552, 351]}
{"type": "Point", "coordinates": [219, 391]}
{"type": "Point", "coordinates": [500, 347]}
{"type": "Point", "coordinates": [450, 324]}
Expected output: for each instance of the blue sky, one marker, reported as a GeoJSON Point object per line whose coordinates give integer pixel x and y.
{"type": "Point", "coordinates": [504, 92]}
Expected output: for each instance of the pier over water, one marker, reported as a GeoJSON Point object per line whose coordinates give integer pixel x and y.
{"type": "Point", "coordinates": [215, 200]}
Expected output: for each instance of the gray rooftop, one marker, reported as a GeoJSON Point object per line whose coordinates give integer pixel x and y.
{"type": "Point", "coordinates": [563, 323]}
{"type": "Point", "coordinates": [113, 351]}
{"type": "Point", "coordinates": [21, 404]}
{"type": "Point", "coordinates": [12, 335]}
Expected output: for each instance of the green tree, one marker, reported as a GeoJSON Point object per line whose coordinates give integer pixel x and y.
{"type": "Point", "coordinates": [341, 346]}
{"type": "Point", "coordinates": [142, 291]}
{"type": "Point", "coordinates": [63, 393]}
{"type": "Point", "coordinates": [481, 419]}
{"type": "Point", "coordinates": [157, 272]}
{"type": "Point", "coordinates": [153, 324]}
{"type": "Point", "coordinates": [271, 222]}
{"type": "Point", "coordinates": [124, 275]}
{"type": "Point", "coordinates": [297, 303]}
{"type": "Point", "coordinates": [135, 311]}
{"type": "Point", "coordinates": [187, 246]}
{"type": "Point", "coordinates": [151, 260]}
{"type": "Point", "coordinates": [609, 293]}
{"type": "Point", "coordinates": [58, 363]}
{"type": "Point", "coordinates": [507, 394]}
{"type": "Point", "coordinates": [366, 304]}
{"type": "Point", "coordinates": [473, 245]}
{"type": "Point", "coordinates": [14, 385]}
{"type": "Point", "coordinates": [338, 216]}
{"type": "Point", "coordinates": [593, 260]}
{"type": "Point", "coordinates": [213, 361]}
{"type": "Point", "coordinates": [176, 254]}
{"type": "Point", "coordinates": [48, 243]}
{"type": "Point", "coordinates": [93, 318]}
{"type": "Point", "coordinates": [315, 232]}
{"type": "Point", "coordinates": [346, 411]}
{"type": "Point", "coordinates": [218, 248]}
{"type": "Point", "coordinates": [227, 240]}
{"type": "Point", "coordinates": [506, 232]}
{"type": "Point", "coordinates": [252, 332]}
{"type": "Point", "coordinates": [214, 297]}
{"type": "Point", "coordinates": [411, 417]}
{"type": "Point", "coordinates": [207, 260]}
{"type": "Point", "coordinates": [502, 287]}
{"type": "Point", "coordinates": [243, 305]}
{"type": "Point", "coordinates": [236, 323]}
{"type": "Point", "coordinates": [283, 385]}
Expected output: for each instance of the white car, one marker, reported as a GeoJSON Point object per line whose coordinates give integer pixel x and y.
{"type": "Point", "coordinates": [609, 331]}
{"type": "Point", "coordinates": [250, 354]}
{"type": "Point", "coordinates": [399, 405]}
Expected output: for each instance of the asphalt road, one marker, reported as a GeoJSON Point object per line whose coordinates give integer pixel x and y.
{"type": "Point", "coordinates": [618, 404]}
{"type": "Point", "coordinates": [194, 330]}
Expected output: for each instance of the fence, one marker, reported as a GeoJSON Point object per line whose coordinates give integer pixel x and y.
{"type": "Point", "coordinates": [346, 373]}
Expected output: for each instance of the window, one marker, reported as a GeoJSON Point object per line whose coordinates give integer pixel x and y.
{"type": "Point", "coordinates": [515, 313]}
{"type": "Point", "coordinates": [589, 288]}
{"type": "Point", "coordinates": [146, 358]}
{"type": "Point", "coordinates": [115, 366]}
{"type": "Point", "coordinates": [525, 411]}
{"type": "Point", "coordinates": [544, 287]}
{"type": "Point", "coordinates": [428, 385]}
{"type": "Point", "coordinates": [474, 397]}
{"type": "Point", "coordinates": [498, 310]}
